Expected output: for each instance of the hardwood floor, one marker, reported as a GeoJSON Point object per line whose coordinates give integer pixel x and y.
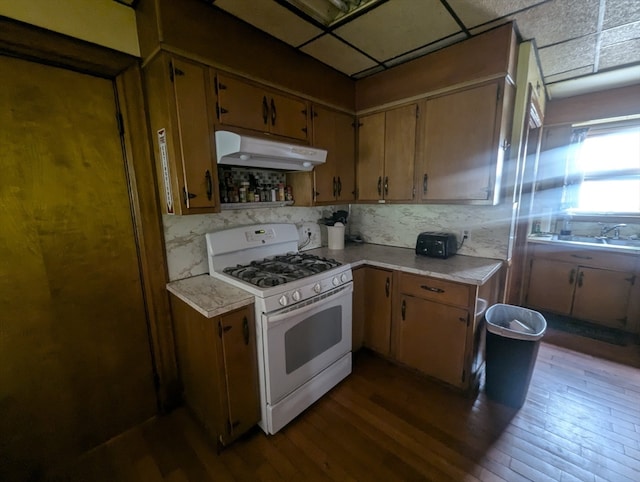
{"type": "Point", "coordinates": [581, 422]}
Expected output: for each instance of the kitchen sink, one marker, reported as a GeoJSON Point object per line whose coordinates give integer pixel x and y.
{"type": "Point", "coordinates": [623, 243]}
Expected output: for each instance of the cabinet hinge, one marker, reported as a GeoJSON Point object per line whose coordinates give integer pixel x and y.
{"type": "Point", "coordinates": [417, 111]}
{"type": "Point", "coordinates": [173, 71]}
{"type": "Point", "coordinates": [231, 425]}
{"type": "Point", "coordinates": [120, 122]}
{"type": "Point", "coordinates": [215, 84]}
{"type": "Point", "coordinates": [464, 375]}
{"type": "Point", "coordinates": [631, 280]}
{"type": "Point", "coordinates": [499, 94]}
{"type": "Point", "coordinates": [468, 319]}
{"type": "Point", "coordinates": [222, 329]}
{"type": "Point", "coordinates": [413, 193]}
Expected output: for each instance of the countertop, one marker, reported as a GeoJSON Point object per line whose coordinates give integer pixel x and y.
{"type": "Point", "coordinates": [465, 269]}
{"type": "Point", "coordinates": [212, 297]}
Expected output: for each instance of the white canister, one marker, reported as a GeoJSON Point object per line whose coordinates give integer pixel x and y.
{"type": "Point", "coordinates": [336, 236]}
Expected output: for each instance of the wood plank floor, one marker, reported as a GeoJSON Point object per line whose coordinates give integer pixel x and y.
{"type": "Point", "coordinates": [581, 422]}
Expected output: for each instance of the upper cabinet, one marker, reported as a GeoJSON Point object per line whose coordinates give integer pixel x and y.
{"type": "Point", "coordinates": [386, 155]}
{"type": "Point", "coordinates": [335, 132]}
{"type": "Point", "coordinates": [178, 97]}
{"type": "Point", "coordinates": [462, 141]}
{"type": "Point", "coordinates": [244, 104]}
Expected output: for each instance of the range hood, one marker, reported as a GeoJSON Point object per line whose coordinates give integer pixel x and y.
{"type": "Point", "coordinates": [237, 150]}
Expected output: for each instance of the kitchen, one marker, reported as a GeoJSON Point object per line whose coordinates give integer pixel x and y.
{"type": "Point", "coordinates": [489, 225]}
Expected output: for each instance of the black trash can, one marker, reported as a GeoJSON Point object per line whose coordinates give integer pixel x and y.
{"type": "Point", "coordinates": [513, 339]}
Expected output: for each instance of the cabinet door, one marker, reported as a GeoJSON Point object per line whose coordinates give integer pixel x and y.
{"type": "Point", "coordinates": [432, 337]}
{"type": "Point", "coordinates": [288, 117]}
{"type": "Point", "coordinates": [399, 153]}
{"type": "Point", "coordinates": [190, 88]}
{"type": "Point", "coordinates": [551, 285]}
{"type": "Point", "coordinates": [370, 163]}
{"type": "Point", "coordinates": [603, 296]}
{"type": "Point", "coordinates": [241, 104]}
{"type": "Point", "coordinates": [237, 330]}
{"type": "Point", "coordinates": [377, 323]}
{"type": "Point", "coordinates": [335, 179]}
{"type": "Point", "coordinates": [461, 145]}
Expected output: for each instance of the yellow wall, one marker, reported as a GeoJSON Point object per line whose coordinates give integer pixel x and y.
{"type": "Point", "coordinates": [102, 22]}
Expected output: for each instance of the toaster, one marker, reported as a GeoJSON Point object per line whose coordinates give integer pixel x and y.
{"type": "Point", "coordinates": [436, 245]}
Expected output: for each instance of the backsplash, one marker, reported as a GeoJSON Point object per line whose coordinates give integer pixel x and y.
{"type": "Point", "coordinates": [392, 225]}
{"type": "Point", "coordinates": [399, 225]}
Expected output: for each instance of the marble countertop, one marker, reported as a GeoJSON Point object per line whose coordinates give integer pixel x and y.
{"type": "Point", "coordinates": [210, 296]}
{"type": "Point", "coordinates": [464, 269]}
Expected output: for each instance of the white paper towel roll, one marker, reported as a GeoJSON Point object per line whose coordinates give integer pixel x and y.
{"type": "Point", "coordinates": [336, 236]}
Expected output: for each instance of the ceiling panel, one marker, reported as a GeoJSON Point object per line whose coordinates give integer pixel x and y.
{"type": "Point", "coordinates": [338, 55]}
{"type": "Point", "coordinates": [619, 34]}
{"type": "Point", "coordinates": [568, 55]}
{"type": "Point", "coordinates": [619, 12]}
{"type": "Point", "coordinates": [477, 12]}
{"type": "Point", "coordinates": [623, 53]}
{"type": "Point", "coordinates": [569, 74]}
{"type": "Point", "coordinates": [425, 50]}
{"type": "Point", "coordinates": [272, 18]}
{"type": "Point", "coordinates": [398, 26]}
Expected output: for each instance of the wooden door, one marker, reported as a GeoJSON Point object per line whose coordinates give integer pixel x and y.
{"type": "Point", "coordinates": [431, 338]}
{"type": "Point", "coordinates": [551, 285]}
{"type": "Point", "coordinates": [288, 117]}
{"type": "Point", "coordinates": [399, 153]}
{"type": "Point", "coordinates": [74, 348]}
{"type": "Point", "coordinates": [460, 145]}
{"type": "Point", "coordinates": [195, 134]}
{"type": "Point", "coordinates": [377, 323]}
{"type": "Point", "coordinates": [370, 163]}
{"type": "Point", "coordinates": [240, 370]}
{"type": "Point", "coordinates": [603, 296]}
{"type": "Point", "coordinates": [241, 104]}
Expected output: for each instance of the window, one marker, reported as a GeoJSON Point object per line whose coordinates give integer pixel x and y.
{"type": "Point", "coordinates": [608, 165]}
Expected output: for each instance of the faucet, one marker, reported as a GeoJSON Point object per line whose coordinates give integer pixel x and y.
{"type": "Point", "coordinates": [616, 230]}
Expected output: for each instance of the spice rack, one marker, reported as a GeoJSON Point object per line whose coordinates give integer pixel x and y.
{"type": "Point", "coordinates": [242, 188]}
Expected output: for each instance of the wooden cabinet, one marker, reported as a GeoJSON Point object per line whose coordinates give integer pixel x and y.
{"type": "Point", "coordinates": [218, 369]}
{"type": "Point", "coordinates": [386, 155]}
{"type": "Point", "coordinates": [182, 127]}
{"type": "Point", "coordinates": [377, 284]}
{"type": "Point", "coordinates": [432, 318]}
{"type": "Point", "coordinates": [244, 104]}
{"type": "Point", "coordinates": [335, 132]}
{"type": "Point", "coordinates": [588, 285]}
{"type": "Point", "coordinates": [462, 139]}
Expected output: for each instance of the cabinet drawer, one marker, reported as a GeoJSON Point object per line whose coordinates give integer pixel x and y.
{"type": "Point", "coordinates": [434, 289]}
{"type": "Point", "coordinates": [587, 257]}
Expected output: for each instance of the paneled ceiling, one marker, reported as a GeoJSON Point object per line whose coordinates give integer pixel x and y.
{"type": "Point", "coordinates": [583, 45]}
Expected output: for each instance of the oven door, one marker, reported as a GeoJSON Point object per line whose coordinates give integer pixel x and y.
{"type": "Point", "coordinates": [301, 342]}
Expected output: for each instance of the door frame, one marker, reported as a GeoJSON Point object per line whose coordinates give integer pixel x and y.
{"type": "Point", "coordinates": [28, 42]}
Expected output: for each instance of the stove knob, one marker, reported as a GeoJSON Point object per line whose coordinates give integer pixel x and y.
{"type": "Point", "coordinates": [283, 300]}
{"type": "Point", "coordinates": [317, 288]}
{"type": "Point", "coordinates": [343, 278]}
{"type": "Point", "coordinates": [296, 295]}
{"type": "Point", "coordinates": [335, 281]}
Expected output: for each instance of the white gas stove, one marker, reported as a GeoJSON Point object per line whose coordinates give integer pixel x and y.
{"type": "Point", "coordinates": [303, 314]}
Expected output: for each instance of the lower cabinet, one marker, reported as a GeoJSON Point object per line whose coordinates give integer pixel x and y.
{"type": "Point", "coordinates": [589, 285]}
{"type": "Point", "coordinates": [430, 325]}
{"type": "Point", "coordinates": [218, 369]}
{"type": "Point", "coordinates": [377, 284]}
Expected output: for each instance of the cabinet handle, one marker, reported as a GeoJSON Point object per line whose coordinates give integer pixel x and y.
{"type": "Point", "coordinates": [572, 276]}
{"type": "Point", "coordinates": [245, 330]}
{"type": "Point", "coordinates": [580, 278]}
{"type": "Point", "coordinates": [207, 177]}
{"type": "Point", "coordinates": [339, 186]}
{"type": "Point", "coordinates": [387, 287]}
{"type": "Point", "coordinates": [380, 186]}
{"type": "Point", "coordinates": [265, 110]}
{"type": "Point", "coordinates": [221, 86]}
{"type": "Point", "coordinates": [386, 186]}
{"type": "Point", "coordinates": [403, 309]}
{"type": "Point", "coordinates": [581, 256]}
{"type": "Point", "coordinates": [431, 288]}
{"type": "Point", "coordinates": [273, 112]}
{"type": "Point", "coordinates": [335, 187]}
{"type": "Point", "coordinates": [425, 179]}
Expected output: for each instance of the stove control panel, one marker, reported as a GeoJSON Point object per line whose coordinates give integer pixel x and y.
{"type": "Point", "coordinates": [260, 235]}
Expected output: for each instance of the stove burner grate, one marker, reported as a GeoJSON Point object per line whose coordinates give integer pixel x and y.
{"type": "Point", "coordinates": [281, 269]}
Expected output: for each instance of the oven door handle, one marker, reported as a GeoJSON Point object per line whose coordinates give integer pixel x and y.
{"type": "Point", "coordinates": [274, 320]}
